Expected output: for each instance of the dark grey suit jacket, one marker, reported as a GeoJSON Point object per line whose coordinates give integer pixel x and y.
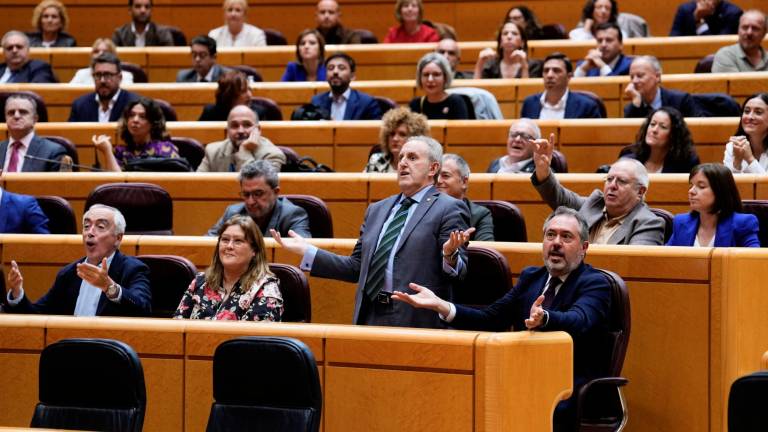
{"type": "Point", "coordinates": [189, 75]}
{"type": "Point", "coordinates": [41, 148]}
{"type": "Point", "coordinates": [156, 36]}
{"type": "Point", "coordinates": [285, 216]}
{"type": "Point", "coordinates": [35, 71]}
{"type": "Point", "coordinates": [418, 258]}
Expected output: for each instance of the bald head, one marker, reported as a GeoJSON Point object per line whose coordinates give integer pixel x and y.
{"type": "Point", "coordinates": [240, 124]}
{"type": "Point", "coordinates": [328, 14]}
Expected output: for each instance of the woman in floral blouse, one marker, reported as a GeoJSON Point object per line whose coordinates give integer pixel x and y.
{"type": "Point", "coordinates": [142, 129]}
{"type": "Point", "coordinates": [238, 284]}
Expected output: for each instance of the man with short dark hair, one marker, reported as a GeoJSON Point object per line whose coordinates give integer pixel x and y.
{"type": "Point", "coordinates": [107, 102]}
{"type": "Point", "coordinates": [747, 55]}
{"type": "Point", "coordinates": [706, 17]}
{"type": "Point", "coordinates": [557, 101]}
{"type": "Point", "coordinates": [23, 151]}
{"type": "Point", "coordinates": [259, 188]}
{"type": "Point", "coordinates": [329, 24]}
{"type": "Point", "coordinates": [608, 58]}
{"type": "Point", "coordinates": [343, 102]}
{"type": "Point", "coordinates": [646, 93]}
{"type": "Point", "coordinates": [204, 66]}
{"type": "Point", "coordinates": [18, 67]}
{"type": "Point", "coordinates": [141, 31]}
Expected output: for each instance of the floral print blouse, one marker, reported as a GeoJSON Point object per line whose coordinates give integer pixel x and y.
{"type": "Point", "coordinates": [162, 149]}
{"type": "Point", "coordinates": [262, 302]}
{"type": "Point", "coordinates": [379, 163]}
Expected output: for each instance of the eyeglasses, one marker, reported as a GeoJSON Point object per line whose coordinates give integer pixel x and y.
{"type": "Point", "coordinates": [620, 182]}
{"type": "Point", "coordinates": [255, 194]}
{"type": "Point", "coordinates": [98, 76]}
{"type": "Point", "coordinates": [522, 135]}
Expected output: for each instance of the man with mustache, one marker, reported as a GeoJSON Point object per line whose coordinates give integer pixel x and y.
{"type": "Point", "coordinates": [342, 102]}
{"type": "Point", "coordinates": [615, 215]}
{"type": "Point", "coordinates": [747, 55]}
{"type": "Point", "coordinates": [108, 101]}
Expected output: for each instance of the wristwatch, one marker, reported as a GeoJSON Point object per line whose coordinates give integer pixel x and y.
{"type": "Point", "coordinates": [113, 290]}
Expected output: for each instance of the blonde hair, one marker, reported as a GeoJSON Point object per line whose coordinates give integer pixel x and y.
{"type": "Point", "coordinates": [416, 124]}
{"type": "Point", "coordinates": [228, 3]}
{"type": "Point", "coordinates": [106, 41]}
{"type": "Point", "coordinates": [45, 4]}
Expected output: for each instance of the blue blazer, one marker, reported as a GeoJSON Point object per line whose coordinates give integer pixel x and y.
{"type": "Point", "coordinates": [360, 106]}
{"type": "Point", "coordinates": [682, 101]}
{"type": "Point", "coordinates": [20, 214]}
{"type": "Point", "coordinates": [725, 20]}
{"type": "Point", "coordinates": [622, 67]}
{"type": "Point", "coordinates": [577, 106]}
{"type": "Point", "coordinates": [35, 71]}
{"type": "Point", "coordinates": [41, 148]}
{"type": "Point", "coordinates": [736, 230]}
{"type": "Point", "coordinates": [86, 109]}
{"type": "Point", "coordinates": [296, 72]}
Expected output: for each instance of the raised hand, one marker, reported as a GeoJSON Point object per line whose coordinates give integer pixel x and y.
{"type": "Point", "coordinates": [95, 275]}
{"type": "Point", "coordinates": [542, 156]}
{"type": "Point", "coordinates": [252, 142]}
{"type": "Point", "coordinates": [15, 280]}
{"type": "Point", "coordinates": [537, 314]}
{"type": "Point", "coordinates": [456, 240]}
{"type": "Point", "coordinates": [295, 243]}
{"type": "Point", "coordinates": [631, 93]}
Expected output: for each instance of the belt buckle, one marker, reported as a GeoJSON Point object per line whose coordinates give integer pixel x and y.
{"type": "Point", "coordinates": [384, 298]}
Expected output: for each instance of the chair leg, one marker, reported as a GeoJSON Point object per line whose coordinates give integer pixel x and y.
{"type": "Point", "coordinates": [624, 412]}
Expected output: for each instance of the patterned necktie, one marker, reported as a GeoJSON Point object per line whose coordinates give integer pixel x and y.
{"type": "Point", "coordinates": [13, 162]}
{"type": "Point", "coordinates": [377, 270]}
{"type": "Point", "coordinates": [549, 295]}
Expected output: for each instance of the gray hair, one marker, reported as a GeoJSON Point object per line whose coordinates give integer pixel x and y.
{"type": "Point", "coordinates": [641, 174]}
{"type": "Point", "coordinates": [528, 122]}
{"type": "Point", "coordinates": [653, 61]}
{"type": "Point", "coordinates": [22, 96]}
{"type": "Point", "coordinates": [461, 164]}
{"type": "Point", "coordinates": [561, 211]}
{"type": "Point", "coordinates": [441, 62]}
{"type": "Point", "coordinates": [118, 217]}
{"type": "Point", "coordinates": [15, 33]}
{"type": "Point", "coordinates": [260, 168]}
{"type": "Point", "coordinates": [434, 148]}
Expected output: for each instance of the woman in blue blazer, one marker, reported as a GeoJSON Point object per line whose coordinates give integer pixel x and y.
{"type": "Point", "coordinates": [714, 219]}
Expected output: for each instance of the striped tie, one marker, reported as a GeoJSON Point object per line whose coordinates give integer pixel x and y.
{"type": "Point", "coordinates": [378, 266]}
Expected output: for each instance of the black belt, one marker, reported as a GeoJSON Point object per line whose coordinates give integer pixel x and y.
{"type": "Point", "coordinates": [383, 297]}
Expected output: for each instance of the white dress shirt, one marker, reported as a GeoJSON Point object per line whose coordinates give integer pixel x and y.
{"type": "Point", "coordinates": [25, 142]}
{"type": "Point", "coordinates": [553, 112]}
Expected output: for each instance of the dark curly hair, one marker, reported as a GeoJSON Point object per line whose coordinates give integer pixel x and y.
{"type": "Point", "coordinates": [155, 118]}
{"type": "Point", "coordinates": [740, 131]}
{"type": "Point", "coordinates": [589, 10]}
{"type": "Point", "coordinates": [681, 149]}
{"type": "Point", "coordinates": [532, 26]}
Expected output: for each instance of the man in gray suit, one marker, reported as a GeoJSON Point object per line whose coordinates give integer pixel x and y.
{"type": "Point", "coordinates": [204, 66]}
{"type": "Point", "coordinates": [416, 236]}
{"type": "Point", "coordinates": [615, 215]}
{"type": "Point", "coordinates": [259, 188]}
{"type": "Point", "coordinates": [24, 151]}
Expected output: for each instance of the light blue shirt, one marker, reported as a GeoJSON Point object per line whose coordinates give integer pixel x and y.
{"type": "Point", "coordinates": [339, 104]}
{"type": "Point", "coordinates": [88, 299]}
{"type": "Point", "coordinates": [656, 103]}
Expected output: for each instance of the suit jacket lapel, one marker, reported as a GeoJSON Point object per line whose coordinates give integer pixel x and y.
{"type": "Point", "coordinates": [426, 203]}
{"type": "Point", "coordinates": [5, 210]}
{"type": "Point", "coordinates": [377, 222]}
{"type": "Point", "coordinates": [349, 110]}
{"type": "Point", "coordinates": [33, 150]}
{"type": "Point", "coordinates": [3, 150]}
{"type": "Point", "coordinates": [724, 232]}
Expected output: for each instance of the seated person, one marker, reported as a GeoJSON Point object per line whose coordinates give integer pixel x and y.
{"type": "Point", "coordinates": [453, 180]}
{"type": "Point", "coordinates": [747, 55]}
{"type": "Point", "coordinates": [329, 24]}
{"type": "Point", "coordinates": [664, 143]}
{"type": "Point", "coordinates": [608, 58]}
{"type": "Point", "coordinates": [236, 32]}
{"type": "Point", "coordinates": [238, 284]}
{"type": "Point", "coordinates": [21, 214]}
{"type": "Point", "coordinates": [520, 144]}
{"type": "Point", "coordinates": [100, 46]}
{"type": "Point", "coordinates": [18, 67]}
{"type": "Point", "coordinates": [108, 101]}
{"type": "Point", "coordinates": [204, 66]}
{"type": "Point", "coordinates": [596, 12]}
{"type": "Point", "coordinates": [104, 283]}
{"type": "Point", "coordinates": [410, 14]}
{"type": "Point", "coordinates": [343, 102]}
{"type": "Point", "coordinates": [233, 90]}
{"type": "Point", "coordinates": [557, 101]}
{"type": "Point", "coordinates": [141, 31]}
{"type": "Point", "coordinates": [259, 188]}
{"type": "Point", "coordinates": [310, 57]}
{"type": "Point", "coordinates": [142, 129]}
{"type": "Point", "coordinates": [244, 143]}
{"type": "Point", "coordinates": [747, 151]}
{"type": "Point", "coordinates": [715, 219]}
{"type": "Point", "coordinates": [23, 151]}
{"type": "Point", "coordinates": [450, 49]}
{"type": "Point", "coordinates": [510, 58]}
{"type": "Point", "coordinates": [542, 300]}
{"type": "Point", "coordinates": [526, 21]}
{"type": "Point", "coordinates": [646, 94]}
{"type": "Point", "coordinates": [706, 17]}
{"type": "Point", "coordinates": [397, 126]}
{"type": "Point", "coordinates": [433, 77]}
{"type": "Point", "coordinates": [50, 19]}
{"type": "Point", "coordinates": [615, 215]}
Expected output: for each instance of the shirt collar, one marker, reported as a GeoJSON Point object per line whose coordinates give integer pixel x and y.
{"type": "Point", "coordinates": [25, 141]}
{"type": "Point", "coordinates": [109, 259]}
{"type": "Point", "coordinates": [341, 98]}
{"type": "Point", "coordinates": [518, 166]}
{"type": "Point", "coordinates": [418, 196]}
{"type": "Point", "coordinates": [656, 102]}
{"type": "Point", "coordinates": [133, 28]}
{"type": "Point", "coordinates": [559, 106]}
{"type": "Point", "coordinates": [111, 101]}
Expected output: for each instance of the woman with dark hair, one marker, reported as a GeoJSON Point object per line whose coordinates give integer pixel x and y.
{"type": "Point", "coordinates": [410, 15]}
{"type": "Point", "coordinates": [142, 129]}
{"type": "Point", "coordinates": [715, 218]}
{"type": "Point", "coordinates": [238, 284]}
{"type": "Point", "coordinates": [525, 20]}
{"type": "Point", "coordinates": [664, 143]}
{"type": "Point", "coordinates": [310, 58]}
{"type": "Point", "coordinates": [597, 12]}
{"type": "Point", "coordinates": [747, 151]}
{"type": "Point", "coordinates": [434, 76]}
{"type": "Point", "coordinates": [510, 59]}
{"type": "Point", "coordinates": [50, 19]}
{"type": "Point", "coordinates": [397, 126]}
{"type": "Point", "coordinates": [233, 90]}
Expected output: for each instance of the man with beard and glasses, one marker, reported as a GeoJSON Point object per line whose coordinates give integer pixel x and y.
{"type": "Point", "coordinates": [244, 143]}
{"type": "Point", "coordinates": [564, 295]}
{"type": "Point", "coordinates": [342, 102]}
{"type": "Point", "coordinates": [108, 101]}
{"type": "Point", "coordinates": [141, 31]}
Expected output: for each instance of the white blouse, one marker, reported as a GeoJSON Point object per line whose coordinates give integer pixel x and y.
{"type": "Point", "coordinates": [249, 36]}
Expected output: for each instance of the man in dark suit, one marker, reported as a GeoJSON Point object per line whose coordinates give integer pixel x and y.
{"type": "Point", "coordinates": [557, 102]}
{"type": "Point", "coordinates": [342, 102]}
{"type": "Point", "coordinates": [564, 295]}
{"type": "Point", "coordinates": [105, 282]}
{"type": "Point", "coordinates": [24, 151]}
{"type": "Point", "coordinates": [141, 31]}
{"type": "Point", "coordinates": [328, 18]}
{"type": "Point", "coordinates": [417, 235]}
{"type": "Point", "coordinates": [608, 58]}
{"type": "Point", "coordinates": [21, 214]}
{"type": "Point", "coordinates": [108, 101]}
{"type": "Point", "coordinates": [706, 17]}
{"type": "Point", "coordinates": [18, 67]}
{"type": "Point", "coordinates": [204, 66]}
{"type": "Point", "coordinates": [454, 181]}
{"type": "Point", "coordinates": [646, 94]}
{"type": "Point", "coordinates": [259, 188]}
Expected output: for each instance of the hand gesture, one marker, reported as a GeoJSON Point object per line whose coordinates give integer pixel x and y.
{"type": "Point", "coordinates": [95, 275]}
{"type": "Point", "coordinates": [704, 8]}
{"type": "Point", "coordinates": [595, 58]}
{"type": "Point", "coordinates": [424, 298]}
{"type": "Point", "coordinates": [519, 56]}
{"type": "Point", "coordinates": [542, 156]}
{"type": "Point", "coordinates": [456, 240]}
{"type": "Point", "coordinates": [537, 314]}
{"type": "Point", "coordinates": [742, 151]}
{"type": "Point", "coordinates": [102, 143]}
{"type": "Point", "coordinates": [252, 142]}
{"type": "Point", "coordinates": [485, 55]}
{"type": "Point", "coordinates": [295, 244]}
{"type": "Point", "coordinates": [631, 93]}
{"type": "Point", "coordinates": [15, 280]}
{"type": "Point", "coordinates": [588, 23]}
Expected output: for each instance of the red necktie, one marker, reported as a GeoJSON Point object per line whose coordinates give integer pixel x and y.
{"type": "Point", "coordinates": [13, 163]}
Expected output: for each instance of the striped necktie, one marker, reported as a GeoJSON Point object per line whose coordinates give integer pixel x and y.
{"type": "Point", "coordinates": [551, 292]}
{"type": "Point", "coordinates": [377, 270]}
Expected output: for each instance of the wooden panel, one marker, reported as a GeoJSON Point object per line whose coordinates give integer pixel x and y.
{"type": "Point", "coordinates": [21, 381]}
